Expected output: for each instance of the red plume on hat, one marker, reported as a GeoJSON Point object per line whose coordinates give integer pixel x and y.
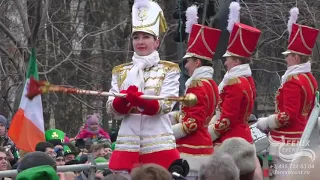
{"type": "Point", "coordinates": [301, 38]}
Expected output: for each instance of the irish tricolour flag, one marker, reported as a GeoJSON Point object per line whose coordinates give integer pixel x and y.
{"type": "Point", "coordinates": [27, 126]}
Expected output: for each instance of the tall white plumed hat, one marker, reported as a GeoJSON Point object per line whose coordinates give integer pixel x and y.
{"type": "Point", "coordinates": [147, 16]}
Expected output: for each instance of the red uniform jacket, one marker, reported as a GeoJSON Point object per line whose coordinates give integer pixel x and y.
{"type": "Point", "coordinates": [193, 139]}
{"type": "Point", "coordinates": [294, 102]}
{"type": "Point", "coordinates": [235, 106]}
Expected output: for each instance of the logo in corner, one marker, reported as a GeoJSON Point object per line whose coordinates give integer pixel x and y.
{"type": "Point", "coordinates": [287, 151]}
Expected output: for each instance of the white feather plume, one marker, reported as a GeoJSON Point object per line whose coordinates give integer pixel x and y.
{"type": "Point", "coordinates": [192, 17]}
{"type": "Point", "coordinates": [234, 15]}
{"type": "Point", "coordinates": [141, 3]}
{"type": "Point", "coordinates": [294, 12]}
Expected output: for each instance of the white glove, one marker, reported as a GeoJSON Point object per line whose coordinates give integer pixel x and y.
{"type": "Point", "coordinates": [178, 131]}
{"type": "Point", "coordinates": [213, 120]}
{"type": "Point", "coordinates": [214, 135]}
{"type": "Point", "coordinates": [262, 124]}
{"type": "Point", "coordinates": [173, 115]}
{"type": "Point", "coordinates": [215, 117]}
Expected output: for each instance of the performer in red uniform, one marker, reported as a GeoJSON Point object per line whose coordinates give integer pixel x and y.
{"type": "Point", "coordinates": [295, 97]}
{"type": "Point", "coordinates": [145, 134]}
{"type": "Point", "coordinates": [237, 90]}
{"type": "Point", "coordinates": [190, 125]}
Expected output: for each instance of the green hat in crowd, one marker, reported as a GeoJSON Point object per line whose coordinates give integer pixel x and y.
{"type": "Point", "coordinates": [69, 150]}
{"type": "Point", "coordinates": [66, 149]}
{"type": "Point", "coordinates": [54, 134]}
{"type": "Point", "coordinates": [38, 173]}
{"type": "Point", "coordinates": [100, 160]}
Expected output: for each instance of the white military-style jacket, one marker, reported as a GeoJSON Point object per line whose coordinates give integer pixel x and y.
{"type": "Point", "coordinates": [142, 133]}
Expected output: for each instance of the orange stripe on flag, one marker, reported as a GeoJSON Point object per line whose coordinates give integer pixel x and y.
{"type": "Point", "coordinates": [24, 133]}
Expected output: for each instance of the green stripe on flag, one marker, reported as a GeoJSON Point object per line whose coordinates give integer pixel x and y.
{"type": "Point", "coordinates": [32, 66]}
{"type": "Point", "coordinates": [32, 70]}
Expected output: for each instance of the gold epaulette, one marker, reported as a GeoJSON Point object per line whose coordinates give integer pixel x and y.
{"type": "Point", "coordinates": [119, 67]}
{"type": "Point", "coordinates": [170, 65]}
{"type": "Point", "coordinates": [196, 83]}
{"type": "Point", "coordinates": [234, 81]}
{"type": "Point", "coordinates": [289, 78]}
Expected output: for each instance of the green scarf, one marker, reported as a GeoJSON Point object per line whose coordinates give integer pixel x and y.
{"type": "Point", "coordinates": [45, 172]}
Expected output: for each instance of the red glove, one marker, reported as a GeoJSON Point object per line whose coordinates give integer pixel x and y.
{"type": "Point", "coordinates": [121, 105]}
{"type": "Point", "coordinates": [132, 92]}
{"type": "Point", "coordinates": [150, 107]}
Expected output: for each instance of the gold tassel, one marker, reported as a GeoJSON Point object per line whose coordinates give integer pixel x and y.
{"type": "Point", "coordinates": [163, 23]}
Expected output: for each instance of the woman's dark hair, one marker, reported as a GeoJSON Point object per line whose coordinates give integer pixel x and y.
{"type": "Point", "coordinates": [204, 62]}
{"type": "Point", "coordinates": [42, 146]}
{"type": "Point", "coordinates": [243, 60]}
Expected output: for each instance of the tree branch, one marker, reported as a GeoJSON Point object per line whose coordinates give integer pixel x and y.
{"type": "Point", "coordinates": [6, 101]}
{"type": "Point", "coordinates": [9, 56]}
{"type": "Point", "coordinates": [35, 29]}
{"type": "Point", "coordinates": [15, 64]}
{"type": "Point", "coordinates": [44, 17]}
{"type": "Point", "coordinates": [23, 19]}
{"type": "Point", "coordinates": [10, 35]}
{"type": "Point", "coordinates": [57, 65]}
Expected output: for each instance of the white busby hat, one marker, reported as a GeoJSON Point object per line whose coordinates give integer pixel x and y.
{"type": "Point", "coordinates": [147, 16]}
